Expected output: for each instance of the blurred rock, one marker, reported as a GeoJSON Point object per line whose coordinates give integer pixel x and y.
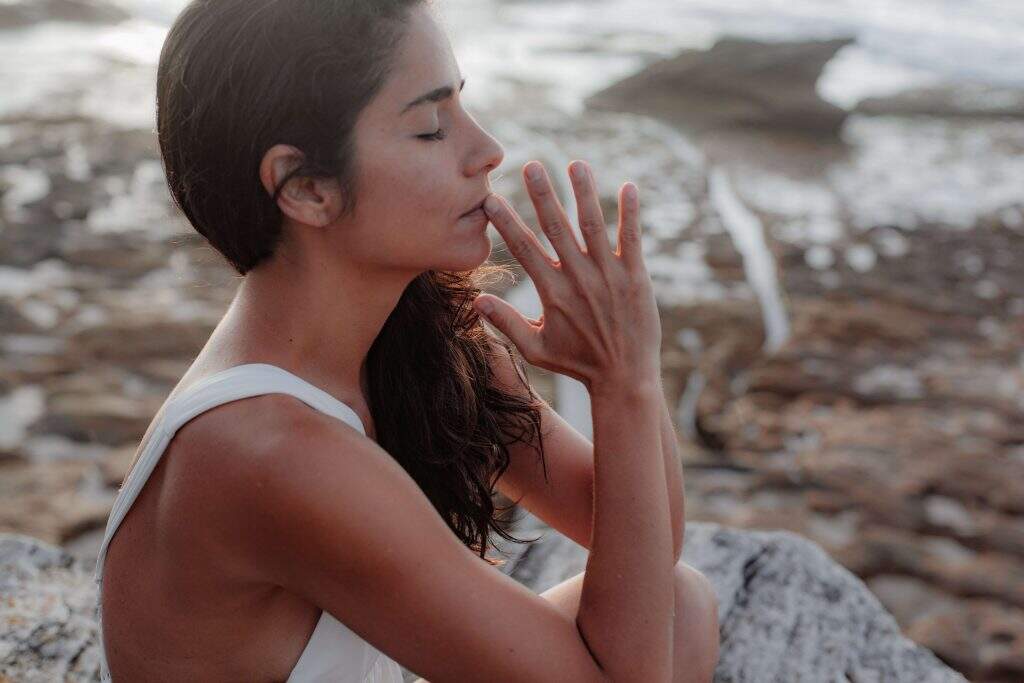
{"type": "Point", "coordinates": [52, 501]}
{"type": "Point", "coordinates": [961, 99]}
{"type": "Point", "coordinates": [990, 632]}
{"type": "Point", "coordinates": [106, 419]}
{"type": "Point", "coordinates": [737, 82]}
{"type": "Point", "coordinates": [18, 13]}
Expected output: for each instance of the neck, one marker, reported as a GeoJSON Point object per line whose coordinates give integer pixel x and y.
{"type": "Point", "coordinates": [315, 316]}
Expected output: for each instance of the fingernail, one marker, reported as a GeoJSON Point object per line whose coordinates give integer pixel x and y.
{"type": "Point", "coordinates": [484, 306]}
{"type": "Point", "coordinates": [579, 172]}
{"type": "Point", "coordinates": [533, 171]}
{"type": "Point", "coordinates": [491, 204]}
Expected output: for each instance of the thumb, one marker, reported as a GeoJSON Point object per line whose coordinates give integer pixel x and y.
{"type": "Point", "coordinates": [509, 322]}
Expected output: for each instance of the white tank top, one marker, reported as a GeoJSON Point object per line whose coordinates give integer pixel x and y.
{"type": "Point", "coordinates": [334, 653]}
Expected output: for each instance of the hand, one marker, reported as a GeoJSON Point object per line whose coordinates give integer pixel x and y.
{"type": "Point", "coordinates": [600, 322]}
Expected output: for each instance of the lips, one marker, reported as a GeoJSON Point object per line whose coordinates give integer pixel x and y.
{"type": "Point", "coordinates": [476, 207]}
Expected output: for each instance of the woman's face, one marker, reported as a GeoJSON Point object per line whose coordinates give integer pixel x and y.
{"type": "Point", "coordinates": [413, 190]}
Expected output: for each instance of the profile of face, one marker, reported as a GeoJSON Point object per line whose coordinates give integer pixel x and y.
{"type": "Point", "coordinates": [421, 162]}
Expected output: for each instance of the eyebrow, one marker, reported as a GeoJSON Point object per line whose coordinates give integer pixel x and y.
{"type": "Point", "coordinates": [436, 95]}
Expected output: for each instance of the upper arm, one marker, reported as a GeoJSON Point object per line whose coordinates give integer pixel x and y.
{"type": "Point", "coordinates": [329, 515]}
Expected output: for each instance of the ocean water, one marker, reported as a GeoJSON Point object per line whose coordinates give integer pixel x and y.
{"type": "Point", "coordinates": [901, 172]}
{"type": "Point", "coordinates": [571, 49]}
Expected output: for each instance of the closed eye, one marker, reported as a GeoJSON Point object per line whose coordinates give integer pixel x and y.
{"type": "Point", "coordinates": [439, 134]}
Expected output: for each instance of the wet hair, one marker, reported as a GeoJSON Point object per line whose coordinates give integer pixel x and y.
{"type": "Point", "coordinates": [236, 77]}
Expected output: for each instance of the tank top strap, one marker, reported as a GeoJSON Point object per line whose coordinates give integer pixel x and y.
{"type": "Point", "coordinates": [253, 379]}
{"type": "Point", "coordinates": [231, 384]}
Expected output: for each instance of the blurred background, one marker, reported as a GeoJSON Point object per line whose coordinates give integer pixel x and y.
{"type": "Point", "coordinates": [833, 198]}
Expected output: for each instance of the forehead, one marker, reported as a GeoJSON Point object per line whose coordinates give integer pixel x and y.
{"type": "Point", "coordinates": [424, 61]}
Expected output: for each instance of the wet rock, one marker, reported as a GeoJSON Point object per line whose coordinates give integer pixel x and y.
{"type": "Point", "coordinates": [133, 340]}
{"type": "Point", "coordinates": [737, 82]}
{"type": "Point", "coordinates": [53, 501]}
{"type": "Point", "coordinates": [908, 598]}
{"type": "Point", "coordinates": [110, 419]}
{"type": "Point", "coordinates": [121, 257]}
{"type": "Point", "coordinates": [962, 99]}
{"type": "Point", "coordinates": [19, 13]}
{"type": "Point", "coordinates": [989, 631]}
{"type": "Point", "coordinates": [24, 244]}
{"type": "Point", "coordinates": [114, 465]}
{"type": "Point", "coordinates": [47, 620]}
{"type": "Point", "coordinates": [787, 611]}
{"type": "Point", "coordinates": [13, 321]}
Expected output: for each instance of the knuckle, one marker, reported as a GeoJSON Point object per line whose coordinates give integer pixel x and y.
{"type": "Point", "coordinates": [554, 228]}
{"type": "Point", "coordinates": [519, 246]}
{"type": "Point", "coordinates": [639, 281]}
{"type": "Point", "coordinates": [560, 299]}
{"type": "Point", "coordinates": [629, 285]}
{"type": "Point", "coordinates": [591, 226]}
{"type": "Point", "coordinates": [565, 302]}
{"type": "Point", "coordinates": [630, 233]}
{"type": "Point", "coordinates": [531, 352]}
{"type": "Point", "coordinates": [542, 190]}
{"type": "Point", "coordinates": [591, 276]}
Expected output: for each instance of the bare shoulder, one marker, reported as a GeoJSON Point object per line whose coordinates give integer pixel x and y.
{"type": "Point", "coordinates": [326, 513]}
{"type": "Point", "coordinates": [225, 439]}
{"type": "Point", "coordinates": [215, 458]}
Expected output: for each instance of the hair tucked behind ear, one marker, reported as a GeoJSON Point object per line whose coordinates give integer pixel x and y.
{"type": "Point", "coordinates": [236, 77]}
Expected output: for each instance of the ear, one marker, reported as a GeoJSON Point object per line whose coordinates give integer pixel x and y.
{"type": "Point", "coordinates": [310, 201]}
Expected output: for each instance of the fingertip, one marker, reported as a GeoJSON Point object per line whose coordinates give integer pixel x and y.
{"type": "Point", "coordinates": [631, 192]}
{"type": "Point", "coordinates": [492, 204]}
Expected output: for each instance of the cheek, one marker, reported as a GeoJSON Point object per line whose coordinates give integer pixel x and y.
{"type": "Point", "coordinates": [424, 207]}
{"type": "Point", "coordinates": [427, 192]}
{"type": "Point", "coordinates": [413, 183]}
{"type": "Point", "coordinates": [410, 191]}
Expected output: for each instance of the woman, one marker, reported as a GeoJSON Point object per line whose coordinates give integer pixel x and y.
{"type": "Point", "coordinates": [302, 506]}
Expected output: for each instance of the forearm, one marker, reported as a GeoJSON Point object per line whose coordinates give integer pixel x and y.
{"type": "Point", "coordinates": [673, 478]}
{"type": "Point", "coordinates": [627, 598]}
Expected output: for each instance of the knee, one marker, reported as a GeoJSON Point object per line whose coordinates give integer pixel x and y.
{"type": "Point", "coordinates": [697, 587]}
{"type": "Point", "coordinates": [697, 630]}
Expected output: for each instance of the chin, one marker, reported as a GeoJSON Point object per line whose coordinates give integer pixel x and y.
{"type": "Point", "coordinates": [470, 253]}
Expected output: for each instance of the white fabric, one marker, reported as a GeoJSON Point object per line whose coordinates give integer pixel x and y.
{"type": "Point", "coordinates": [334, 653]}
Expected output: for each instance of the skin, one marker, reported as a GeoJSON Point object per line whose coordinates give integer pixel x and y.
{"type": "Point", "coordinates": [339, 278]}
{"type": "Point", "coordinates": [335, 278]}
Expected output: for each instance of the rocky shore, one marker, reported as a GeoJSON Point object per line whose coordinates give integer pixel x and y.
{"type": "Point", "coordinates": [842, 314]}
{"type": "Point", "coordinates": [787, 611]}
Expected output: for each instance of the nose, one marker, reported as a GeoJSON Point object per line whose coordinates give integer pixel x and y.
{"type": "Point", "coordinates": [487, 153]}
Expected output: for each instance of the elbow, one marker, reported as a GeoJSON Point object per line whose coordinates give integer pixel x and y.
{"type": "Point", "coordinates": [678, 534]}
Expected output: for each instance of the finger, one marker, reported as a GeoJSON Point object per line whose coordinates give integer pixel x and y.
{"type": "Point", "coordinates": [511, 323]}
{"type": "Point", "coordinates": [630, 248]}
{"type": "Point", "coordinates": [552, 217]}
{"type": "Point", "coordinates": [591, 218]}
{"type": "Point", "coordinates": [521, 241]}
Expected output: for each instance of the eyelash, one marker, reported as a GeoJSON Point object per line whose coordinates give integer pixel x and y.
{"type": "Point", "coordinates": [439, 134]}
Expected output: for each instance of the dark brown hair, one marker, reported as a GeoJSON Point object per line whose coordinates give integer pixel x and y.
{"type": "Point", "coordinates": [236, 77]}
